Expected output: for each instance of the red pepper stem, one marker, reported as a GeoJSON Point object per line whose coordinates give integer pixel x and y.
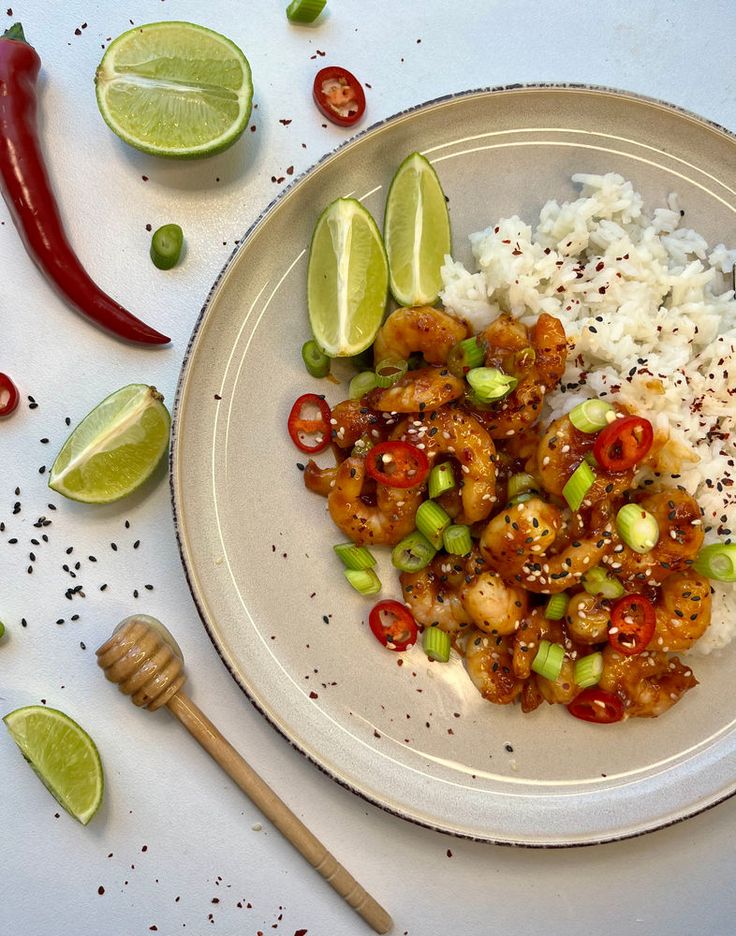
{"type": "Point", "coordinates": [15, 32]}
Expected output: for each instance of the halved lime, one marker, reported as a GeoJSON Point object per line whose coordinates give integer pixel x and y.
{"type": "Point", "coordinates": [63, 755]}
{"type": "Point", "coordinates": [175, 89]}
{"type": "Point", "coordinates": [115, 448]}
{"type": "Point", "coordinates": [416, 232]}
{"type": "Point", "coordinates": [347, 279]}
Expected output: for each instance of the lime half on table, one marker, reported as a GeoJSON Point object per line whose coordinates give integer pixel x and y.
{"type": "Point", "coordinates": [175, 89]}
{"type": "Point", "coordinates": [347, 279]}
{"type": "Point", "coordinates": [416, 232]}
{"type": "Point", "coordinates": [63, 756]}
{"type": "Point", "coordinates": [115, 448]}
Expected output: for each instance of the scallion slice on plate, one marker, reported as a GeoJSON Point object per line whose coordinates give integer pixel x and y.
{"type": "Point", "coordinates": [598, 581]}
{"type": "Point", "coordinates": [413, 553]}
{"type": "Point", "coordinates": [717, 561]}
{"type": "Point", "coordinates": [637, 528]}
{"type": "Point", "coordinates": [489, 384]}
{"type": "Point", "coordinates": [361, 384]}
{"type": "Point", "coordinates": [588, 670]}
{"type": "Point", "coordinates": [436, 644]}
{"type": "Point", "coordinates": [549, 659]}
{"type": "Point", "coordinates": [355, 557]}
{"type": "Point", "coordinates": [432, 521]}
{"type": "Point", "coordinates": [457, 539]}
{"type": "Point", "coordinates": [441, 479]}
{"type": "Point", "coordinates": [578, 485]}
{"type": "Point", "coordinates": [304, 11]}
{"type": "Point", "coordinates": [390, 370]}
{"type": "Point", "coordinates": [364, 581]}
{"type": "Point", "coordinates": [557, 607]}
{"type": "Point", "coordinates": [592, 416]}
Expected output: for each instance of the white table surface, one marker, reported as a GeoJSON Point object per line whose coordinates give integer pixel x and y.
{"type": "Point", "coordinates": [175, 846]}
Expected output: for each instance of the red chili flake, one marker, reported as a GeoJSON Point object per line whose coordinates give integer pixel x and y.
{"type": "Point", "coordinates": [149, 227]}
{"type": "Point", "coordinates": [145, 178]}
{"type": "Point", "coordinates": [313, 695]}
{"type": "Point", "coordinates": [449, 853]}
{"type": "Point", "coordinates": [301, 932]}
{"type": "Point", "coordinates": [100, 890]}
{"type": "Point", "coordinates": [290, 170]}
{"type": "Point", "coordinates": [599, 266]}
{"type": "Point", "coordinates": [285, 122]}
{"type": "Point", "coordinates": [77, 31]}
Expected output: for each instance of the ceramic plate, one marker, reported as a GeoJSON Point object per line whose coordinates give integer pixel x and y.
{"type": "Point", "coordinates": [417, 739]}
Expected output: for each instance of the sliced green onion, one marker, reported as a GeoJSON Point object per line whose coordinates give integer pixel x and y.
{"type": "Point", "coordinates": [591, 416]}
{"type": "Point", "coordinates": [355, 557]}
{"type": "Point", "coordinates": [166, 245]}
{"type": "Point", "coordinates": [464, 356]}
{"type": "Point", "coordinates": [2, 630]}
{"type": "Point", "coordinates": [521, 498]}
{"type": "Point", "coordinates": [637, 528]}
{"type": "Point", "coordinates": [361, 384]}
{"type": "Point", "coordinates": [436, 644]}
{"type": "Point", "coordinates": [597, 581]}
{"type": "Point", "coordinates": [717, 561]}
{"type": "Point", "coordinates": [390, 370]}
{"type": "Point", "coordinates": [490, 384]}
{"type": "Point", "coordinates": [588, 670]}
{"type": "Point", "coordinates": [413, 553]}
{"type": "Point", "coordinates": [364, 581]}
{"type": "Point", "coordinates": [304, 11]}
{"type": "Point", "coordinates": [556, 607]}
{"type": "Point", "coordinates": [441, 479]}
{"type": "Point", "coordinates": [549, 659]}
{"type": "Point", "coordinates": [521, 483]}
{"type": "Point", "coordinates": [431, 520]}
{"type": "Point", "coordinates": [457, 539]}
{"type": "Point", "coordinates": [580, 482]}
{"type": "Point", "coordinates": [590, 458]}
{"type": "Point", "coordinates": [315, 359]}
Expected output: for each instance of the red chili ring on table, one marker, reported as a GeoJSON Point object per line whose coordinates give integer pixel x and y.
{"type": "Point", "coordinates": [339, 95]}
{"type": "Point", "coordinates": [397, 464]}
{"type": "Point", "coordinates": [299, 425]}
{"type": "Point", "coordinates": [623, 443]}
{"type": "Point", "coordinates": [633, 621]}
{"type": "Point", "coordinates": [9, 396]}
{"type": "Point", "coordinates": [597, 705]}
{"type": "Point", "coordinates": [393, 625]}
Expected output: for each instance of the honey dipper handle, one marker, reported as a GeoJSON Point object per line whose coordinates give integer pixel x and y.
{"type": "Point", "coordinates": [292, 828]}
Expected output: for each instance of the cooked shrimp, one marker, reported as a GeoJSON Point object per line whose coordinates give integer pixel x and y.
{"type": "Point", "coordinates": [386, 522]}
{"type": "Point", "coordinates": [419, 328]}
{"type": "Point", "coordinates": [489, 664]}
{"type": "Point", "coordinates": [560, 451]}
{"type": "Point", "coordinates": [533, 629]}
{"type": "Point", "coordinates": [648, 683]}
{"type": "Point", "coordinates": [517, 543]}
{"type": "Point", "coordinates": [453, 431]}
{"type": "Point", "coordinates": [319, 480]}
{"type": "Point", "coordinates": [587, 618]}
{"type": "Point", "coordinates": [683, 611]}
{"type": "Point", "coordinates": [562, 690]}
{"type": "Point", "coordinates": [680, 538]}
{"type": "Point", "coordinates": [537, 360]}
{"type": "Point", "coordinates": [352, 419]}
{"type": "Point", "coordinates": [494, 606]}
{"type": "Point", "coordinates": [417, 390]}
{"type": "Point", "coordinates": [433, 594]}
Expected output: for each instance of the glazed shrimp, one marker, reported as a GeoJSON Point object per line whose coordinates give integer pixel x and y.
{"type": "Point", "coordinates": [417, 390]}
{"type": "Point", "coordinates": [352, 419]}
{"type": "Point", "coordinates": [319, 480]}
{"type": "Point", "coordinates": [433, 595]}
{"type": "Point", "coordinates": [536, 359]}
{"type": "Point", "coordinates": [517, 543]}
{"type": "Point", "coordinates": [488, 661]}
{"type": "Point", "coordinates": [680, 538]}
{"type": "Point", "coordinates": [561, 449]}
{"type": "Point", "coordinates": [683, 611]}
{"type": "Point", "coordinates": [386, 522]}
{"type": "Point", "coordinates": [453, 431]}
{"type": "Point", "coordinates": [419, 328]}
{"type": "Point", "coordinates": [648, 683]}
{"type": "Point", "coordinates": [492, 605]}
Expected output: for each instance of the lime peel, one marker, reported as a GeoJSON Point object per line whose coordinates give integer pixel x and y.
{"type": "Point", "coordinates": [63, 756]}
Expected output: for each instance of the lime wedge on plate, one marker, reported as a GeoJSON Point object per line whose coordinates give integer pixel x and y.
{"type": "Point", "coordinates": [416, 232]}
{"type": "Point", "coordinates": [62, 754]}
{"type": "Point", "coordinates": [347, 279]}
{"type": "Point", "coordinates": [175, 89]}
{"type": "Point", "coordinates": [115, 448]}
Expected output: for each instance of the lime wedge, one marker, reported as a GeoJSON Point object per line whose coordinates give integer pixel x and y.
{"type": "Point", "coordinates": [416, 232]}
{"type": "Point", "coordinates": [63, 755]}
{"type": "Point", "coordinates": [347, 279]}
{"type": "Point", "coordinates": [175, 89]}
{"type": "Point", "coordinates": [115, 448]}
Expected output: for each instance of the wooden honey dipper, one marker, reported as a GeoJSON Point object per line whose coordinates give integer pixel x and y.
{"type": "Point", "coordinates": [146, 663]}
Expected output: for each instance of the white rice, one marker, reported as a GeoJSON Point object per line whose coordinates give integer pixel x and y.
{"type": "Point", "coordinates": [651, 312]}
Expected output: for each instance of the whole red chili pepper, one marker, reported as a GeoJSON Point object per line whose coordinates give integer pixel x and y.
{"type": "Point", "coordinates": [30, 200]}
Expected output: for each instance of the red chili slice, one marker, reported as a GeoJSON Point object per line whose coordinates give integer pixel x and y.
{"type": "Point", "coordinates": [8, 395]}
{"type": "Point", "coordinates": [633, 620]}
{"type": "Point", "coordinates": [623, 443]}
{"type": "Point", "coordinates": [597, 705]}
{"type": "Point", "coordinates": [393, 624]}
{"type": "Point", "coordinates": [339, 95]}
{"type": "Point", "coordinates": [303, 426]}
{"type": "Point", "coordinates": [397, 464]}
